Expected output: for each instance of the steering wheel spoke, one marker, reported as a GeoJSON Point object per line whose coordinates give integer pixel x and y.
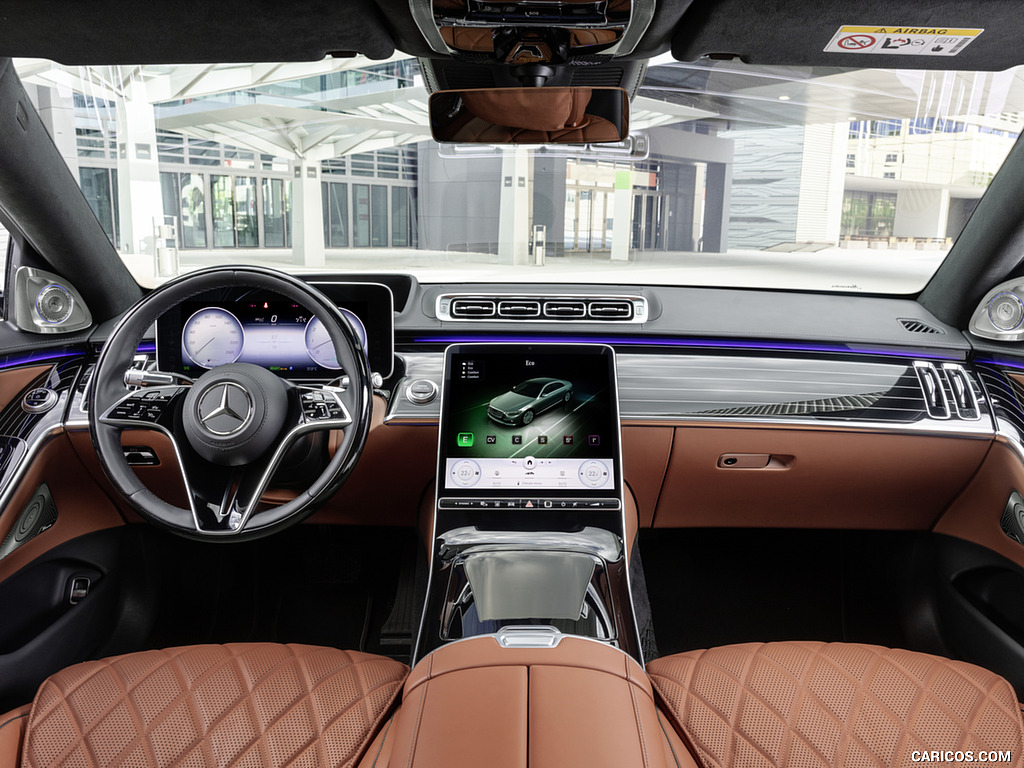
{"type": "Point", "coordinates": [223, 499]}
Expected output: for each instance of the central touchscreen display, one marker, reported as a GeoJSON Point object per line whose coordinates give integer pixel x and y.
{"type": "Point", "coordinates": [529, 420]}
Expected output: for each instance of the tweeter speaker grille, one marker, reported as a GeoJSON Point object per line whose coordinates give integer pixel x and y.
{"type": "Point", "coordinates": [1012, 519]}
{"type": "Point", "coordinates": [54, 304]}
{"type": "Point", "coordinates": [37, 516]}
{"type": "Point", "coordinates": [1006, 311]}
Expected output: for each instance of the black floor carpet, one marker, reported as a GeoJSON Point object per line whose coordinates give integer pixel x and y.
{"type": "Point", "coordinates": [717, 587]}
{"type": "Point", "coordinates": [323, 585]}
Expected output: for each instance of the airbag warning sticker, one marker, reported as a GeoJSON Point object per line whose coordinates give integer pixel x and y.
{"type": "Point", "coordinates": [902, 41]}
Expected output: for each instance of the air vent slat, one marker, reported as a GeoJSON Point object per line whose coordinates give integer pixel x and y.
{"type": "Point", "coordinates": [473, 308]}
{"type": "Point", "coordinates": [610, 310]}
{"type": "Point", "coordinates": [580, 309]}
{"type": "Point", "coordinates": [565, 310]}
{"type": "Point", "coordinates": [519, 308]}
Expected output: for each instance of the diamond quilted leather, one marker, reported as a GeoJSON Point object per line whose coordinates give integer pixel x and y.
{"type": "Point", "coordinates": [832, 705]}
{"type": "Point", "coordinates": [246, 704]}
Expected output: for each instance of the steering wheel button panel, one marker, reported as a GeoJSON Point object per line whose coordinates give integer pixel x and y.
{"type": "Point", "coordinates": [322, 406]}
{"type": "Point", "coordinates": [143, 406]}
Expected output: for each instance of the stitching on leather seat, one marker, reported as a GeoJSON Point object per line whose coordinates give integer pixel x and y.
{"type": "Point", "coordinates": [831, 704]}
{"type": "Point", "coordinates": [636, 712]}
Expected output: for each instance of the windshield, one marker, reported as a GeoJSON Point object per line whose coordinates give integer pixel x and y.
{"type": "Point", "coordinates": [830, 179]}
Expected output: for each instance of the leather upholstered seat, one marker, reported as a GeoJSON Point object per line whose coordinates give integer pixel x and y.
{"type": "Point", "coordinates": [825, 705]}
{"type": "Point", "coordinates": [246, 704]}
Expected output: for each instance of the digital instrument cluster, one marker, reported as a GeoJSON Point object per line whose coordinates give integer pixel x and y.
{"type": "Point", "coordinates": [274, 333]}
{"type": "Point", "coordinates": [278, 336]}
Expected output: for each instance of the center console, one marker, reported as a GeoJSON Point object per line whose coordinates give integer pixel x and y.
{"type": "Point", "coordinates": [528, 526]}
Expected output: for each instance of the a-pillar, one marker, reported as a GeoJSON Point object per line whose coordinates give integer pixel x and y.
{"type": "Point", "coordinates": [622, 215]}
{"type": "Point", "coordinates": [921, 213]}
{"type": "Point", "coordinates": [514, 208]}
{"type": "Point", "coordinates": [308, 214]}
{"type": "Point", "coordinates": [139, 198]}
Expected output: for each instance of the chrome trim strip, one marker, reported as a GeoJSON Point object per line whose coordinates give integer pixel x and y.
{"type": "Point", "coordinates": [943, 428]}
{"type": "Point", "coordinates": [612, 643]}
{"type": "Point", "coordinates": [591, 540]}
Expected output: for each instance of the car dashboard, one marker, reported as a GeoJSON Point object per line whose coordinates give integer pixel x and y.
{"type": "Point", "coordinates": [732, 414]}
{"type": "Point", "coordinates": [690, 362]}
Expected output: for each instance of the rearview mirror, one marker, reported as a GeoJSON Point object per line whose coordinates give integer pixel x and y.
{"type": "Point", "coordinates": [530, 115]}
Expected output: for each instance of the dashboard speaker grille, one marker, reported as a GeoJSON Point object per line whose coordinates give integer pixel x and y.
{"type": "Point", "coordinates": [918, 326]}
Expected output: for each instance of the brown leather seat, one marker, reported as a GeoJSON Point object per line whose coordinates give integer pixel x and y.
{"type": "Point", "coordinates": [245, 704]}
{"type": "Point", "coordinates": [824, 705]}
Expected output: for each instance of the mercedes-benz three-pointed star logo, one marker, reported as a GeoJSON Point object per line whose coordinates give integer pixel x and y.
{"type": "Point", "coordinates": [225, 409]}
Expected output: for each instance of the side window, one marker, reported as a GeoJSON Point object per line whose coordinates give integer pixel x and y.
{"type": "Point", "coordinates": [549, 389]}
{"type": "Point", "coordinates": [5, 241]}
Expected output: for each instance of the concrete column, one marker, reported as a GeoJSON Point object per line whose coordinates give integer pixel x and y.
{"type": "Point", "coordinates": [716, 207]}
{"type": "Point", "coordinates": [549, 201]}
{"type": "Point", "coordinates": [921, 213]}
{"type": "Point", "coordinates": [308, 214]}
{"type": "Point", "coordinates": [514, 212]}
{"type": "Point", "coordinates": [138, 176]}
{"type": "Point", "coordinates": [622, 215]}
{"type": "Point", "coordinates": [56, 107]}
{"type": "Point", "coordinates": [822, 179]}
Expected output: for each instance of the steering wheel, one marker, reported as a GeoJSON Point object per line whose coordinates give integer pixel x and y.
{"type": "Point", "coordinates": [232, 426]}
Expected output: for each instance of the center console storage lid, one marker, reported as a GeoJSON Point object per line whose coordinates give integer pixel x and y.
{"type": "Point", "coordinates": [578, 703]}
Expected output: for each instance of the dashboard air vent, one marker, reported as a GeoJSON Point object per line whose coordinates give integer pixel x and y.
{"type": "Point", "coordinates": [564, 309]}
{"type": "Point", "coordinates": [579, 308]}
{"type": "Point", "coordinates": [518, 308]}
{"type": "Point", "coordinates": [472, 309]}
{"type": "Point", "coordinates": [610, 310]}
{"type": "Point", "coordinates": [932, 389]}
{"type": "Point", "coordinates": [918, 326]}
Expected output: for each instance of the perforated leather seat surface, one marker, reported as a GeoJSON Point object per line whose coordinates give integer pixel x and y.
{"type": "Point", "coordinates": [246, 704]}
{"type": "Point", "coordinates": [824, 705]}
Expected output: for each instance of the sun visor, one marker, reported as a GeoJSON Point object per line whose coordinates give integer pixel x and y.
{"type": "Point", "coordinates": [947, 34]}
{"type": "Point", "coordinates": [195, 31]}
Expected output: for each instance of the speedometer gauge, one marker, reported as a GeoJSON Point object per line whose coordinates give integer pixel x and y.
{"type": "Point", "coordinates": [318, 341]}
{"type": "Point", "coordinates": [212, 337]}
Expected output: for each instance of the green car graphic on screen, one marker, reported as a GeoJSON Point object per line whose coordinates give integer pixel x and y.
{"type": "Point", "coordinates": [527, 400]}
